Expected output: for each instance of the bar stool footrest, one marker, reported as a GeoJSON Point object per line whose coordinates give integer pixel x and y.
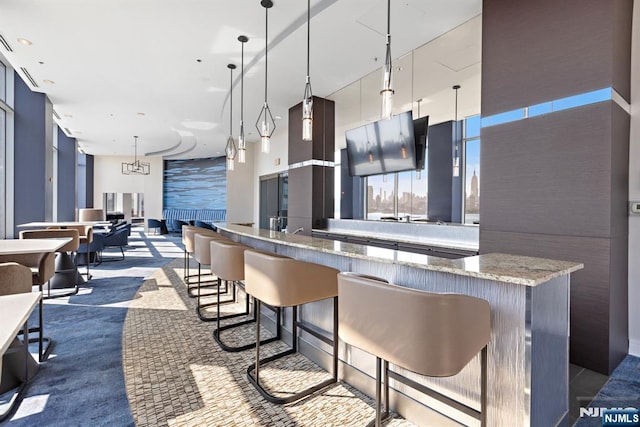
{"type": "Point", "coordinates": [282, 400]}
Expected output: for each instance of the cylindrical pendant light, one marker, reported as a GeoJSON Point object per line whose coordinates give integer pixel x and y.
{"type": "Point", "coordinates": [265, 123]}
{"type": "Point", "coordinates": [387, 93]}
{"type": "Point", "coordinates": [242, 146]}
{"type": "Point", "coordinates": [307, 102]}
{"type": "Point", "coordinates": [230, 149]}
{"type": "Point", "coordinates": [456, 154]}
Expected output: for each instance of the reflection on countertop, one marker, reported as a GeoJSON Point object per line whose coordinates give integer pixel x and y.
{"type": "Point", "coordinates": [506, 268]}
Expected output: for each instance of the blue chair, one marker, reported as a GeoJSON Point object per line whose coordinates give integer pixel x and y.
{"type": "Point", "coordinates": [157, 224]}
{"type": "Point", "coordinates": [117, 239]}
{"type": "Point", "coordinates": [203, 224]}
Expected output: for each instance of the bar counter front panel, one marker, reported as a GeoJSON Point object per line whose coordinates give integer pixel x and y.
{"type": "Point", "coordinates": [529, 298]}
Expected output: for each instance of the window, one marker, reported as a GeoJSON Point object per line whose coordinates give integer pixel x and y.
{"type": "Point", "coordinates": [381, 198]}
{"type": "Point", "coordinates": [472, 170]}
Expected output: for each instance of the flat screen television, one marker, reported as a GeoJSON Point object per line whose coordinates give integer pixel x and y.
{"type": "Point", "coordinates": [384, 146]}
{"type": "Point", "coordinates": [420, 130]}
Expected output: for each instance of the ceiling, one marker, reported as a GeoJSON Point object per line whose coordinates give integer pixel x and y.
{"type": "Point", "coordinates": [158, 68]}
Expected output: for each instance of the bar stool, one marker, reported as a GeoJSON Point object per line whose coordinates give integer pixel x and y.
{"type": "Point", "coordinates": [285, 282]}
{"type": "Point", "coordinates": [202, 254]}
{"type": "Point", "coordinates": [227, 262]}
{"type": "Point", "coordinates": [431, 334]}
{"type": "Point", "coordinates": [188, 240]}
{"type": "Point", "coordinates": [41, 269]}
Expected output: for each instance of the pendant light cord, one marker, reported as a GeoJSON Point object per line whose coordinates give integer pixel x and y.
{"type": "Point", "coordinates": [230, 101]}
{"type": "Point", "coordinates": [242, 84]}
{"type": "Point", "coordinates": [308, 35]}
{"type": "Point", "coordinates": [266, 37]}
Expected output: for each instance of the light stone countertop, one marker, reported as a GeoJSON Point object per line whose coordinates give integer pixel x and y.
{"type": "Point", "coordinates": [499, 267]}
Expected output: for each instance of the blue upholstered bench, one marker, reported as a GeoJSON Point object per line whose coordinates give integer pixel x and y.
{"type": "Point", "coordinates": [191, 215]}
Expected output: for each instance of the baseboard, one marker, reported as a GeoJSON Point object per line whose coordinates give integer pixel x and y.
{"type": "Point", "coordinates": [634, 347]}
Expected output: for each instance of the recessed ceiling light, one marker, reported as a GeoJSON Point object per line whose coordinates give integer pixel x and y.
{"type": "Point", "coordinates": [68, 115]}
{"type": "Point", "coordinates": [140, 114]}
{"type": "Point", "coordinates": [399, 69]}
{"type": "Point", "coordinates": [77, 132]}
{"type": "Point", "coordinates": [49, 82]}
{"type": "Point", "coordinates": [277, 118]}
{"type": "Point", "coordinates": [25, 42]}
{"type": "Point", "coordinates": [198, 60]}
{"type": "Point", "coordinates": [41, 62]}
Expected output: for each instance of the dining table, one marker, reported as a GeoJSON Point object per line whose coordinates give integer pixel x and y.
{"type": "Point", "coordinates": [14, 314]}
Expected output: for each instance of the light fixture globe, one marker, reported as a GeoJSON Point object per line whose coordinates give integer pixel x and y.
{"type": "Point", "coordinates": [265, 123]}
{"type": "Point", "coordinates": [242, 144]}
{"type": "Point", "coordinates": [456, 154]}
{"type": "Point", "coordinates": [386, 93]}
{"type": "Point", "coordinates": [230, 149]}
{"type": "Point", "coordinates": [307, 102]}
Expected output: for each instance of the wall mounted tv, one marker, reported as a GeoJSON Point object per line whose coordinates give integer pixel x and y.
{"type": "Point", "coordinates": [384, 146]}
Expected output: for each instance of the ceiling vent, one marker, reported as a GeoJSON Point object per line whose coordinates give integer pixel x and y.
{"type": "Point", "coordinates": [55, 114]}
{"type": "Point", "coordinates": [28, 76]}
{"type": "Point", "coordinates": [4, 43]}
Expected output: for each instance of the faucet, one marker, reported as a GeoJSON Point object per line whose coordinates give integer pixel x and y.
{"type": "Point", "coordinates": [297, 230]}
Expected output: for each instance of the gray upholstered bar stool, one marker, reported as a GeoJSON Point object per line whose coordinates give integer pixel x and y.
{"type": "Point", "coordinates": [227, 263]}
{"type": "Point", "coordinates": [431, 334]}
{"type": "Point", "coordinates": [202, 254]}
{"type": "Point", "coordinates": [286, 282]}
{"type": "Point", "coordinates": [188, 240]}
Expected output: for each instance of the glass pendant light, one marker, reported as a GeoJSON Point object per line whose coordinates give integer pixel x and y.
{"type": "Point", "coordinates": [456, 154]}
{"type": "Point", "coordinates": [307, 102]}
{"type": "Point", "coordinates": [387, 93]}
{"type": "Point", "coordinates": [242, 146]}
{"type": "Point", "coordinates": [230, 149]}
{"type": "Point", "coordinates": [265, 123]}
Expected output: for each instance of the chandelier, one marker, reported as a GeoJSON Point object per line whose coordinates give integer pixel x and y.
{"type": "Point", "coordinates": [136, 167]}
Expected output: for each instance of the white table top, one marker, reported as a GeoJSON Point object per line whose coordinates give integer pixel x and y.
{"type": "Point", "coordinates": [61, 223]}
{"type": "Point", "coordinates": [14, 310]}
{"type": "Point", "coordinates": [29, 246]}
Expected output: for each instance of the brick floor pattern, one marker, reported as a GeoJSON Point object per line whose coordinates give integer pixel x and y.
{"type": "Point", "coordinates": [177, 375]}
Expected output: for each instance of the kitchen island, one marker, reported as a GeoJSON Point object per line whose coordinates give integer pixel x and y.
{"type": "Point", "coordinates": [528, 351]}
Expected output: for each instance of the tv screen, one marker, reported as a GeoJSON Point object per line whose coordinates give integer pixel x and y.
{"type": "Point", "coordinates": [420, 130]}
{"type": "Point", "coordinates": [380, 147]}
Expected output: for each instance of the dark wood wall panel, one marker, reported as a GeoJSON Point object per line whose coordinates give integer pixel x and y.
{"type": "Point", "coordinates": [620, 126]}
{"type": "Point", "coordinates": [537, 51]}
{"type": "Point", "coordinates": [311, 187]}
{"type": "Point", "coordinates": [590, 323]}
{"type": "Point", "coordinates": [549, 174]}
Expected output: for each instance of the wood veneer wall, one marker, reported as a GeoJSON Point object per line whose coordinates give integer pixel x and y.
{"type": "Point", "coordinates": [556, 185]}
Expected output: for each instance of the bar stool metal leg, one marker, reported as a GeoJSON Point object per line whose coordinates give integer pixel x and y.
{"type": "Point", "coordinates": [255, 380]}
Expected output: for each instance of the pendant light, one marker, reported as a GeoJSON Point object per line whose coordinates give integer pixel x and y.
{"type": "Point", "coordinates": [307, 102]}
{"type": "Point", "coordinates": [136, 167]}
{"type": "Point", "coordinates": [265, 123]}
{"type": "Point", "coordinates": [230, 149]}
{"type": "Point", "coordinates": [387, 93]}
{"type": "Point", "coordinates": [456, 154]}
{"type": "Point", "coordinates": [242, 147]}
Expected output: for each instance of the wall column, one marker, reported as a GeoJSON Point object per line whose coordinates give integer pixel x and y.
{"type": "Point", "coordinates": [311, 184]}
{"type": "Point", "coordinates": [555, 185]}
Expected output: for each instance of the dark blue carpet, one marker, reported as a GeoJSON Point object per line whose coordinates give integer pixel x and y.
{"type": "Point", "coordinates": [82, 383]}
{"type": "Point", "coordinates": [622, 390]}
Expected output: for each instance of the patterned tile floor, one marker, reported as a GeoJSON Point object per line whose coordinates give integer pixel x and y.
{"type": "Point", "coordinates": [176, 374]}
